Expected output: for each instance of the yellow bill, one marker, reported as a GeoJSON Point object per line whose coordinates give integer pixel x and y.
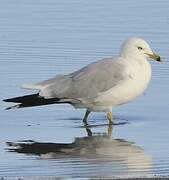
{"type": "Point", "coordinates": [154, 56]}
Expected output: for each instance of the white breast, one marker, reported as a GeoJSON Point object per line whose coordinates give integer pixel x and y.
{"type": "Point", "coordinates": [139, 75]}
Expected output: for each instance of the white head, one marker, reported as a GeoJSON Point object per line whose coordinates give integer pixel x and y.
{"type": "Point", "coordinates": [137, 47]}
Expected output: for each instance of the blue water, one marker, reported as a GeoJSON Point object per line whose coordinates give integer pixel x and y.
{"type": "Point", "coordinates": [39, 39]}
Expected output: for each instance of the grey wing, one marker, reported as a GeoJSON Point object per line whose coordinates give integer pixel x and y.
{"type": "Point", "coordinates": [87, 82]}
{"type": "Point", "coordinates": [96, 78]}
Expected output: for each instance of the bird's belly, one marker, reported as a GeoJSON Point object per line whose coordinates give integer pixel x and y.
{"type": "Point", "coordinates": [126, 91]}
{"type": "Point", "coordinates": [132, 90]}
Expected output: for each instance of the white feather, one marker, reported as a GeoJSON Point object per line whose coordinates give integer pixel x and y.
{"type": "Point", "coordinates": [32, 86]}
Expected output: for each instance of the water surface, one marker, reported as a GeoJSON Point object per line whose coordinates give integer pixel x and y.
{"type": "Point", "coordinates": [39, 39]}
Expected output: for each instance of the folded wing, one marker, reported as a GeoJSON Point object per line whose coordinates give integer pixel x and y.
{"type": "Point", "coordinates": [85, 83]}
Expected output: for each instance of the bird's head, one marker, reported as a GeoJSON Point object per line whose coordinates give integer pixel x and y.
{"type": "Point", "coordinates": [137, 47]}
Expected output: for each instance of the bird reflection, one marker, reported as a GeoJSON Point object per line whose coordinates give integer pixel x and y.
{"type": "Point", "coordinates": [100, 148]}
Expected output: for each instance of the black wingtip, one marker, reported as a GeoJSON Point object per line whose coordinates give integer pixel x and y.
{"type": "Point", "coordinates": [13, 107]}
{"type": "Point", "coordinates": [5, 100]}
{"type": "Point", "coordinates": [8, 100]}
{"type": "Point", "coordinates": [31, 100]}
{"type": "Point", "coordinates": [8, 108]}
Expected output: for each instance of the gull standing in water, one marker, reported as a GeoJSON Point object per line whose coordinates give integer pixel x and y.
{"type": "Point", "coordinates": [99, 86]}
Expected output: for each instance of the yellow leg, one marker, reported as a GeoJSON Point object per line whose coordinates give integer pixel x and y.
{"type": "Point", "coordinates": [110, 117]}
{"type": "Point", "coordinates": [86, 116]}
{"type": "Point", "coordinates": [88, 130]}
{"type": "Point", "coordinates": [110, 131]}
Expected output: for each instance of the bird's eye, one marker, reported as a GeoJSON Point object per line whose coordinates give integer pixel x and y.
{"type": "Point", "coordinates": [140, 48]}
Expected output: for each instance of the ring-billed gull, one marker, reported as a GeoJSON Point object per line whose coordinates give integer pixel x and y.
{"type": "Point", "coordinates": [99, 86]}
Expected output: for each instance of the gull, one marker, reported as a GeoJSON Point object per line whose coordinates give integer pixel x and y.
{"type": "Point", "coordinates": [99, 86]}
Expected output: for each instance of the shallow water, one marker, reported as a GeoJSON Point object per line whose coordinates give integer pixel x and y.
{"type": "Point", "coordinates": [43, 38]}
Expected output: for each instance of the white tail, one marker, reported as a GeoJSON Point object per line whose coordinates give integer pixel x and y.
{"type": "Point", "coordinates": [32, 86]}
